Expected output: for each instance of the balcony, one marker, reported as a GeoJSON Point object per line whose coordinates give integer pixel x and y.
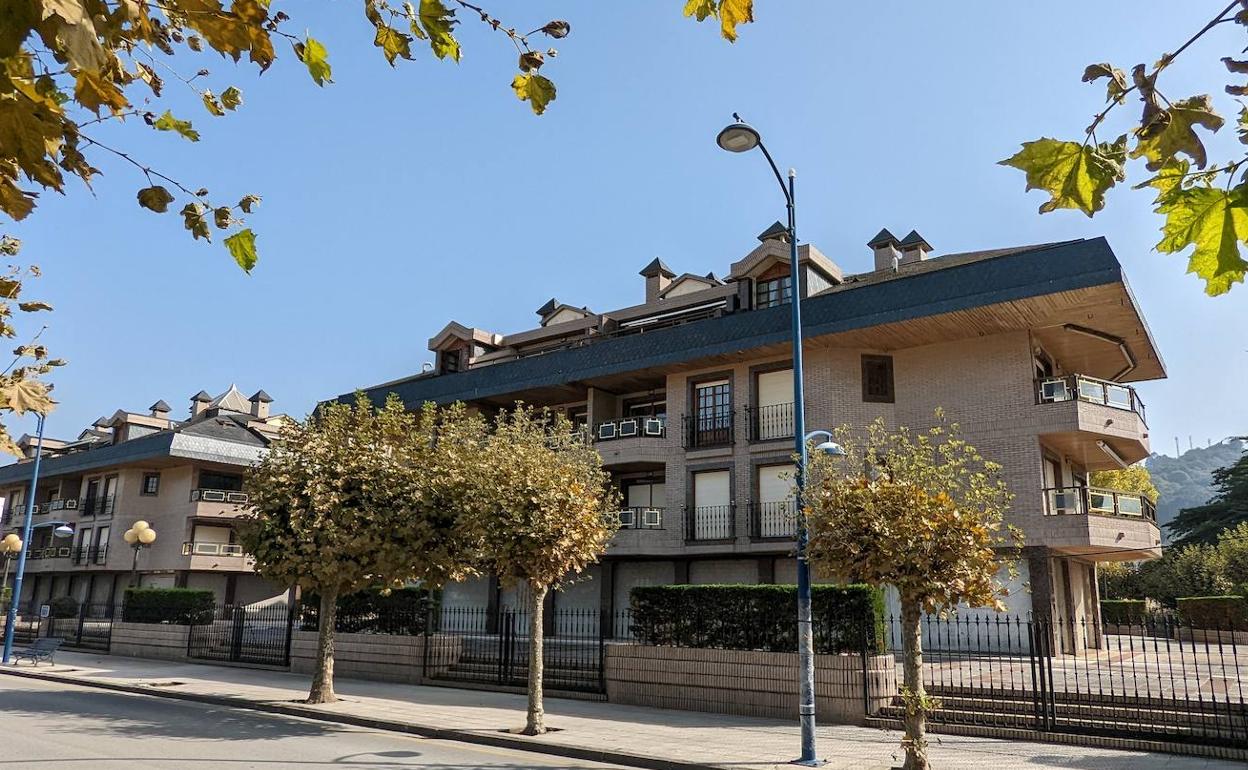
{"type": "Point", "coordinates": [68, 504]}
{"type": "Point", "coordinates": [100, 507]}
{"type": "Point", "coordinates": [706, 430]}
{"type": "Point", "coordinates": [640, 517]}
{"type": "Point", "coordinates": [191, 548]}
{"type": "Point", "coordinates": [771, 422]}
{"type": "Point", "coordinates": [90, 555]}
{"type": "Point", "coordinates": [710, 523]}
{"type": "Point", "coordinates": [1098, 424]}
{"type": "Point", "coordinates": [632, 443]}
{"type": "Point", "coordinates": [1111, 524]}
{"type": "Point", "coordinates": [776, 520]}
{"type": "Point", "coordinates": [219, 496]}
{"type": "Point", "coordinates": [43, 553]}
{"type": "Point", "coordinates": [631, 427]}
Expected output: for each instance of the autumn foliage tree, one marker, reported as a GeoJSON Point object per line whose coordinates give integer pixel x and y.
{"type": "Point", "coordinates": [1205, 204]}
{"type": "Point", "coordinates": [21, 390]}
{"type": "Point", "coordinates": [354, 497]}
{"type": "Point", "coordinates": [921, 511]}
{"type": "Point", "coordinates": [544, 514]}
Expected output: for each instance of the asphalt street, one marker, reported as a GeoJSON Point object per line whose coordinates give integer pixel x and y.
{"type": "Point", "coordinates": [48, 725]}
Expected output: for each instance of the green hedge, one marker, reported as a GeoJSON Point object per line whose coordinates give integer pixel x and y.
{"type": "Point", "coordinates": [180, 606]}
{"type": "Point", "coordinates": [758, 617]}
{"type": "Point", "coordinates": [399, 611]}
{"type": "Point", "coordinates": [1123, 611]}
{"type": "Point", "coordinates": [63, 607]}
{"type": "Point", "coordinates": [1224, 613]}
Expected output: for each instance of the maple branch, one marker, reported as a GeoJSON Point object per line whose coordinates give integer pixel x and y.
{"type": "Point", "coordinates": [148, 171]}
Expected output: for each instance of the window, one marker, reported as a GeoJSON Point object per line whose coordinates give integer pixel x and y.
{"type": "Point", "coordinates": [646, 407]}
{"type": "Point", "coordinates": [711, 517]}
{"type": "Point", "coordinates": [99, 546]}
{"type": "Point", "coordinates": [877, 379]}
{"type": "Point", "coordinates": [82, 540]}
{"type": "Point", "coordinates": [776, 514]}
{"type": "Point", "coordinates": [777, 291]}
{"type": "Point", "coordinates": [712, 413]}
{"type": "Point", "coordinates": [773, 413]}
{"type": "Point", "coordinates": [451, 360]}
{"type": "Point", "coordinates": [226, 482]}
{"type": "Point", "coordinates": [579, 416]}
{"type": "Point", "coordinates": [151, 484]}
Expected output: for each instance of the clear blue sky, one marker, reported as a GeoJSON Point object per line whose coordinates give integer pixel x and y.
{"type": "Point", "coordinates": [397, 199]}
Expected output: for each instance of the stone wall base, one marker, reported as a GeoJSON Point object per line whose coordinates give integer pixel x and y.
{"type": "Point", "coordinates": [149, 640]}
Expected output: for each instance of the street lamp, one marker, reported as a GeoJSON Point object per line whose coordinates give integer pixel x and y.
{"type": "Point", "coordinates": [10, 547]}
{"type": "Point", "coordinates": [23, 547]}
{"type": "Point", "coordinates": [741, 137]}
{"type": "Point", "coordinates": [140, 535]}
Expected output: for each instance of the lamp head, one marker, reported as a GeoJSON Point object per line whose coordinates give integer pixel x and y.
{"type": "Point", "coordinates": [831, 448]}
{"type": "Point", "coordinates": [738, 137]}
{"type": "Point", "coordinates": [147, 536]}
{"type": "Point", "coordinates": [131, 537]}
{"type": "Point", "coordinates": [63, 530]}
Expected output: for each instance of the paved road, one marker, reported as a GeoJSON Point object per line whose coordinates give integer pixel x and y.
{"type": "Point", "coordinates": [53, 726]}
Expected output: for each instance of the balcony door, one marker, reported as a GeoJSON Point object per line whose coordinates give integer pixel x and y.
{"type": "Point", "coordinates": [712, 413]}
{"type": "Point", "coordinates": [774, 405]}
{"type": "Point", "coordinates": [777, 514]}
{"type": "Point", "coordinates": [646, 500]}
{"type": "Point", "coordinates": [712, 505]}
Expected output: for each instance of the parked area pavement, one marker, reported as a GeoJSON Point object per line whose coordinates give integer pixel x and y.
{"type": "Point", "coordinates": [56, 725]}
{"type": "Point", "coordinates": [585, 730]}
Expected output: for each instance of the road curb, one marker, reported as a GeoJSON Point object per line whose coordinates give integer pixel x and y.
{"type": "Point", "coordinates": [501, 740]}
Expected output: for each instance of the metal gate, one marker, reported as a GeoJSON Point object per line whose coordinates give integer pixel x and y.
{"type": "Point", "coordinates": [1156, 678]}
{"type": "Point", "coordinates": [256, 635]}
{"type": "Point", "coordinates": [476, 645]}
{"type": "Point", "coordinates": [91, 628]}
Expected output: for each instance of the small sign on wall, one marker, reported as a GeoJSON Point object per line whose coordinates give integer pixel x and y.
{"type": "Point", "coordinates": [45, 610]}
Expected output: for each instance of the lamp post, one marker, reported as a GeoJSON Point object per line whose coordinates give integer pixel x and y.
{"type": "Point", "coordinates": [23, 548]}
{"type": "Point", "coordinates": [10, 547]}
{"type": "Point", "coordinates": [140, 535]}
{"type": "Point", "coordinates": [741, 137]}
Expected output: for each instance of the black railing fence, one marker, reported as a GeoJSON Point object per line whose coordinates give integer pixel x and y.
{"type": "Point", "coordinates": [710, 522]}
{"type": "Point", "coordinates": [1159, 678]}
{"type": "Point", "coordinates": [255, 634]}
{"type": "Point", "coordinates": [771, 422]}
{"type": "Point", "coordinates": [708, 428]}
{"type": "Point", "coordinates": [88, 626]}
{"type": "Point", "coordinates": [773, 520]}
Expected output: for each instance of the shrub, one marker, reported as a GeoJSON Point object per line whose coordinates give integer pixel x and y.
{"type": "Point", "coordinates": [1224, 613]}
{"type": "Point", "coordinates": [758, 617]}
{"type": "Point", "coordinates": [180, 606]}
{"type": "Point", "coordinates": [1119, 580]}
{"type": "Point", "coordinates": [63, 607]}
{"type": "Point", "coordinates": [1123, 611]}
{"type": "Point", "coordinates": [374, 611]}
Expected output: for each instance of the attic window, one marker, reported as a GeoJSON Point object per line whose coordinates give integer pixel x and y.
{"type": "Point", "coordinates": [451, 361]}
{"type": "Point", "coordinates": [777, 291]}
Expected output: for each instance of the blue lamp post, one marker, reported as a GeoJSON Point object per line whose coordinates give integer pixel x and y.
{"type": "Point", "coordinates": [21, 558]}
{"type": "Point", "coordinates": [741, 137]}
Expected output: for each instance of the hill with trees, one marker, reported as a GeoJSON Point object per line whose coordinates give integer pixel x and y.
{"type": "Point", "coordinates": [1186, 481]}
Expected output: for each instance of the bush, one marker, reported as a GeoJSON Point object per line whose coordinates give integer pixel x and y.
{"type": "Point", "coordinates": [63, 607]}
{"type": "Point", "coordinates": [1123, 611]}
{"type": "Point", "coordinates": [1119, 580]}
{"type": "Point", "coordinates": [180, 606]}
{"type": "Point", "coordinates": [1226, 613]}
{"type": "Point", "coordinates": [758, 617]}
{"type": "Point", "coordinates": [399, 611]}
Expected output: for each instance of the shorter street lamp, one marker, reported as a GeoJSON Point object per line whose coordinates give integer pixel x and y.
{"type": "Point", "coordinates": [10, 547]}
{"type": "Point", "coordinates": [140, 535]}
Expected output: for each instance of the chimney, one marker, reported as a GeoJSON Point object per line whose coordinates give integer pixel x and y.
{"type": "Point", "coordinates": [658, 276]}
{"type": "Point", "coordinates": [260, 404]}
{"type": "Point", "coordinates": [914, 248]}
{"type": "Point", "coordinates": [199, 402]}
{"type": "Point", "coordinates": [885, 244]}
{"type": "Point", "coordinates": [777, 232]}
{"type": "Point", "coordinates": [160, 410]}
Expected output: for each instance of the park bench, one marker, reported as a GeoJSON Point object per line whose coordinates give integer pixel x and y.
{"type": "Point", "coordinates": [41, 649]}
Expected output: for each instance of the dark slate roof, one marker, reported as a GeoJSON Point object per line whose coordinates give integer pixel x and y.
{"type": "Point", "coordinates": [882, 238]}
{"type": "Point", "coordinates": [548, 308]}
{"type": "Point", "coordinates": [935, 286]}
{"type": "Point", "coordinates": [656, 267]}
{"type": "Point", "coordinates": [262, 397]}
{"type": "Point", "coordinates": [159, 406]}
{"type": "Point", "coordinates": [914, 239]}
{"type": "Point", "coordinates": [774, 231]}
{"type": "Point", "coordinates": [202, 395]}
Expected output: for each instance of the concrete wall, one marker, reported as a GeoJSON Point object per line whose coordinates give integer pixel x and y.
{"type": "Point", "coordinates": [380, 657]}
{"type": "Point", "coordinates": [762, 684]}
{"type": "Point", "coordinates": [149, 640]}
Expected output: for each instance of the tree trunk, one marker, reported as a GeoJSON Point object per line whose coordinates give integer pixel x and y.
{"type": "Point", "coordinates": [535, 723]}
{"type": "Point", "coordinates": [323, 678]}
{"type": "Point", "coordinates": [915, 739]}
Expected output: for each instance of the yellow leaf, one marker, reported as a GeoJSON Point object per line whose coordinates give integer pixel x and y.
{"type": "Point", "coordinates": [24, 395]}
{"type": "Point", "coordinates": [536, 89]}
{"type": "Point", "coordinates": [93, 90]}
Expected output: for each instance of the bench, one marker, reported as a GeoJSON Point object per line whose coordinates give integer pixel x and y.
{"type": "Point", "coordinates": [41, 649]}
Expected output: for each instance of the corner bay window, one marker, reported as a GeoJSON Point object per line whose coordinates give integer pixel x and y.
{"type": "Point", "coordinates": [776, 291]}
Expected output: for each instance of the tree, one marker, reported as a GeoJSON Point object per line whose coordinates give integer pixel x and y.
{"type": "Point", "coordinates": [1119, 580]}
{"type": "Point", "coordinates": [1193, 570]}
{"type": "Point", "coordinates": [544, 514]}
{"type": "Point", "coordinates": [1205, 206]}
{"type": "Point", "coordinates": [922, 511]}
{"type": "Point", "coordinates": [21, 390]}
{"type": "Point", "coordinates": [1233, 547]}
{"type": "Point", "coordinates": [68, 65]}
{"type": "Point", "coordinates": [1134, 479]}
{"type": "Point", "coordinates": [354, 497]}
{"type": "Point", "coordinates": [1227, 509]}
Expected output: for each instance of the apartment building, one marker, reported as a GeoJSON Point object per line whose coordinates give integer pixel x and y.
{"type": "Point", "coordinates": [184, 477]}
{"type": "Point", "coordinates": [688, 397]}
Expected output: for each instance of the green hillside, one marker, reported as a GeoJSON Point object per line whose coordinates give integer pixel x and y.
{"type": "Point", "coordinates": [1186, 481]}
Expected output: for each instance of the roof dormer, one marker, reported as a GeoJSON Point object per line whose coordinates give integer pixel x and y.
{"type": "Point", "coordinates": [556, 312]}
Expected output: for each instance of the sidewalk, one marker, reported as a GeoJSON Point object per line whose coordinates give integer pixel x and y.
{"type": "Point", "coordinates": [585, 729]}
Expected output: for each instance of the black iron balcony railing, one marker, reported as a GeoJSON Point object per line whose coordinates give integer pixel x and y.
{"type": "Point", "coordinates": [91, 554]}
{"type": "Point", "coordinates": [50, 552]}
{"type": "Point", "coordinates": [218, 496]}
{"type": "Point", "coordinates": [708, 429]}
{"type": "Point", "coordinates": [771, 422]}
{"type": "Point", "coordinates": [710, 522]}
{"type": "Point", "coordinates": [631, 427]}
{"type": "Point", "coordinates": [775, 520]}
{"type": "Point", "coordinates": [192, 548]}
{"type": "Point", "coordinates": [67, 504]}
{"type": "Point", "coordinates": [97, 506]}
{"type": "Point", "coordinates": [1072, 387]}
{"type": "Point", "coordinates": [641, 517]}
{"type": "Point", "coordinates": [1092, 501]}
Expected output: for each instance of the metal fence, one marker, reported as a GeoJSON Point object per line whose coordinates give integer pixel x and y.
{"type": "Point", "coordinates": [89, 628]}
{"type": "Point", "coordinates": [253, 634]}
{"type": "Point", "coordinates": [1159, 678]}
